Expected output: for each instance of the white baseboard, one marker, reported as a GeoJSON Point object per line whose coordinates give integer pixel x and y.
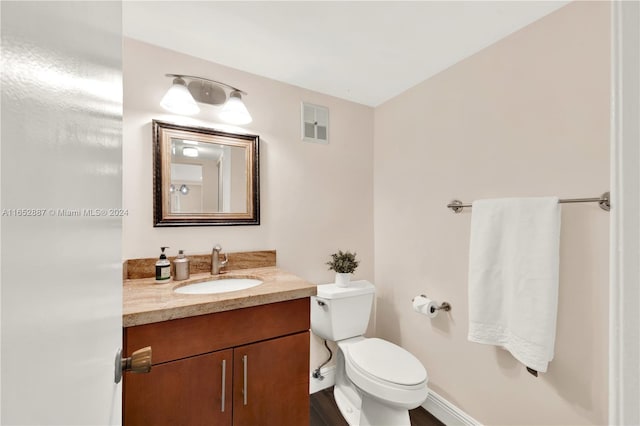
{"type": "Point", "coordinates": [329, 374]}
{"type": "Point", "coordinates": [446, 412]}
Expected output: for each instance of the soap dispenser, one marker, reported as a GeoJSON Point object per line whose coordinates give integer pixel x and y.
{"type": "Point", "coordinates": [163, 268]}
{"type": "Point", "coordinates": [181, 265]}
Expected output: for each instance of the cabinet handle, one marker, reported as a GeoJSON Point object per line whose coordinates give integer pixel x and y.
{"type": "Point", "coordinates": [224, 375]}
{"type": "Point", "coordinates": [244, 388]}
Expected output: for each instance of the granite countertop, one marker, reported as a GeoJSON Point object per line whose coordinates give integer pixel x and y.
{"type": "Point", "coordinates": [146, 302]}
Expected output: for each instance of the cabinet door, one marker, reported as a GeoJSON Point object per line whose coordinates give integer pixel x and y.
{"type": "Point", "coordinates": [184, 392]}
{"type": "Point", "coordinates": [271, 382]}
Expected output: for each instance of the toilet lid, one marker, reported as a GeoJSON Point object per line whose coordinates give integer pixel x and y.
{"type": "Point", "coordinates": [387, 362]}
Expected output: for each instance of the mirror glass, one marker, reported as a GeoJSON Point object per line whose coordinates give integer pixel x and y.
{"type": "Point", "coordinates": [204, 176]}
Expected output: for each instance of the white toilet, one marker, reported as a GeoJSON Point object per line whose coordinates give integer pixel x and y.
{"type": "Point", "coordinates": [377, 382]}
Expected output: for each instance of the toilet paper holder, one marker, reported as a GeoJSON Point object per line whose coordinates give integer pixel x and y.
{"type": "Point", "coordinates": [444, 306]}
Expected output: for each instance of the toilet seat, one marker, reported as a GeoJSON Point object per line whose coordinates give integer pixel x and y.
{"type": "Point", "coordinates": [386, 372]}
{"type": "Point", "coordinates": [384, 361]}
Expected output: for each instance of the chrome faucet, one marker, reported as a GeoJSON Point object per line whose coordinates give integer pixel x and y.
{"type": "Point", "coordinates": [216, 263]}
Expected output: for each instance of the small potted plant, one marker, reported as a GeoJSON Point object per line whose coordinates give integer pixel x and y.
{"type": "Point", "coordinates": [344, 263]}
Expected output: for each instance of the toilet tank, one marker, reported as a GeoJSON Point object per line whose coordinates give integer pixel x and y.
{"type": "Point", "coordinates": [338, 313]}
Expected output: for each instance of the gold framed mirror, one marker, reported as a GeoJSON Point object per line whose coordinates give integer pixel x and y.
{"type": "Point", "coordinates": [204, 177]}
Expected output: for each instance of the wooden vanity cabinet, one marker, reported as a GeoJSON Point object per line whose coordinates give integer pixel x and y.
{"type": "Point", "coordinates": [183, 392]}
{"type": "Point", "coordinates": [263, 351]}
{"type": "Point", "coordinates": [276, 390]}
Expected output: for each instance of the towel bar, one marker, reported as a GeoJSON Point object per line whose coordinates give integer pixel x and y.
{"type": "Point", "coordinates": [603, 201]}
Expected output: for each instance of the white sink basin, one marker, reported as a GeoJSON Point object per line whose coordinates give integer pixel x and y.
{"type": "Point", "coordinates": [220, 285]}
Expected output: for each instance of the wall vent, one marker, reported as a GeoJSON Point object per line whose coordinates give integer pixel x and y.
{"type": "Point", "coordinates": [315, 123]}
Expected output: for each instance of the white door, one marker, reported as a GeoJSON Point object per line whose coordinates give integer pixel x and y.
{"type": "Point", "coordinates": [61, 191]}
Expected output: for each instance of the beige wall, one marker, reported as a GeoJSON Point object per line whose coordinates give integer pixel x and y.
{"type": "Point", "coordinates": [527, 116]}
{"type": "Point", "coordinates": [315, 199]}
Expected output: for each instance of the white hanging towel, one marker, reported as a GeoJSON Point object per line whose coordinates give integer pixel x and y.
{"type": "Point", "coordinates": [513, 276]}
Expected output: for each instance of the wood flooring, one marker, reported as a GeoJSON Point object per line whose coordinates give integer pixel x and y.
{"type": "Point", "coordinates": [324, 412]}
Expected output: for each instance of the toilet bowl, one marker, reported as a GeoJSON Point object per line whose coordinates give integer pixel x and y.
{"type": "Point", "coordinates": [377, 382]}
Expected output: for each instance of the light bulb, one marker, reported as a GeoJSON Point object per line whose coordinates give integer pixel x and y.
{"type": "Point", "coordinates": [189, 151]}
{"type": "Point", "coordinates": [178, 99]}
{"type": "Point", "coordinates": [234, 111]}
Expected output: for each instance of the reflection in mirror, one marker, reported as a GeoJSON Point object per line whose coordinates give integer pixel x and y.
{"type": "Point", "coordinates": [207, 177]}
{"type": "Point", "coordinates": [204, 176]}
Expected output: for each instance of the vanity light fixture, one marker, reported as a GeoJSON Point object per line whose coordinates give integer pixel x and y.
{"type": "Point", "coordinates": [187, 90]}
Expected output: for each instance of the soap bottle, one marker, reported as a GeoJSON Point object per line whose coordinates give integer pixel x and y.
{"type": "Point", "coordinates": [163, 268]}
{"type": "Point", "coordinates": [181, 265]}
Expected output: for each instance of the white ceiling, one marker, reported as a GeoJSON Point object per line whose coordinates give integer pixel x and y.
{"type": "Point", "coordinates": [366, 52]}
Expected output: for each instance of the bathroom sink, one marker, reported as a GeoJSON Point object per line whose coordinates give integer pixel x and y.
{"type": "Point", "coordinates": [219, 285]}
